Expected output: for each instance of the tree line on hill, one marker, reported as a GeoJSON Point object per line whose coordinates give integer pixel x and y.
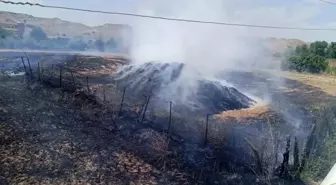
{"type": "Point", "coordinates": [310, 58]}
{"type": "Point", "coordinates": [38, 39]}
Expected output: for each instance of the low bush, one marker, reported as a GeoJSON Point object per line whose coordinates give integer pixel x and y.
{"type": "Point", "coordinates": [306, 63]}
{"type": "Point", "coordinates": [4, 33]}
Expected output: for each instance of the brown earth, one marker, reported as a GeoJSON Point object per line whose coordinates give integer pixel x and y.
{"type": "Point", "coordinates": [281, 44]}
{"type": "Point", "coordinates": [57, 27]}
{"type": "Point", "coordinates": [332, 62]}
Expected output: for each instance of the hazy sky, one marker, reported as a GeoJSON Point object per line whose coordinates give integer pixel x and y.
{"type": "Point", "coordinates": [298, 13]}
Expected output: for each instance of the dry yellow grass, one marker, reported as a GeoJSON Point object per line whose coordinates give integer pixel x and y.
{"type": "Point", "coordinates": [258, 111]}
{"type": "Point", "coordinates": [326, 83]}
{"type": "Point", "coordinates": [332, 63]}
{"type": "Point", "coordinates": [103, 70]}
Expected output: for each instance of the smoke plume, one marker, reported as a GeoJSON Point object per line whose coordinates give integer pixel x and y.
{"type": "Point", "coordinates": [206, 50]}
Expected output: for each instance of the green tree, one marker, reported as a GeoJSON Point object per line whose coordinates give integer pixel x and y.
{"type": "Point", "coordinates": [38, 34]}
{"type": "Point", "coordinates": [4, 33]}
{"type": "Point", "coordinates": [308, 63]}
{"type": "Point", "coordinates": [78, 45]}
{"type": "Point", "coordinates": [100, 45]}
{"type": "Point", "coordinates": [302, 50]}
{"type": "Point", "coordinates": [2, 43]}
{"type": "Point", "coordinates": [112, 43]}
{"type": "Point", "coordinates": [319, 48]}
{"type": "Point", "coordinates": [332, 50]}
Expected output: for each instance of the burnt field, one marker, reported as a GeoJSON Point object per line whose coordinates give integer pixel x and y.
{"type": "Point", "coordinates": [69, 121]}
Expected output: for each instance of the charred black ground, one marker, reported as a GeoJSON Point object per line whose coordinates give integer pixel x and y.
{"type": "Point", "coordinates": [163, 80]}
{"type": "Point", "coordinates": [96, 130]}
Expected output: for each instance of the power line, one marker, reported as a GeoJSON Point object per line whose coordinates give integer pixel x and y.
{"type": "Point", "coordinates": [168, 18]}
{"type": "Point", "coordinates": [329, 2]}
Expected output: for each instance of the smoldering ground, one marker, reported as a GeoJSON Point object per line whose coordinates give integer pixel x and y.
{"type": "Point", "coordinates": [206, 53]}
{"type": "Point", "coordinates": [233, 153]}
{"type": "Point", "coordinates": [206, 50]}
{"type": "Point", "coordinates": [214, 53]}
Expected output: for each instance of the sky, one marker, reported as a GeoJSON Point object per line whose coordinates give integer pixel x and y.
{"type": "Point", "coordinates": [295, 13]}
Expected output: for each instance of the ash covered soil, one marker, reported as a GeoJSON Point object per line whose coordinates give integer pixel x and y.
{"type": "Point", "coordinates": [276, 88]}
{"type": "Point", "coordinates": [49, 136]}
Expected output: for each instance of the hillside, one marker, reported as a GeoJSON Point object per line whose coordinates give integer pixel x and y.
{"type": "Point", "coordinates": [56, 26]}
{"type": "Point", "coordinates": [279, 45]}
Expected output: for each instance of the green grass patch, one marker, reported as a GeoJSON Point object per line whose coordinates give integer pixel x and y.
{"type": "Point", "coordinates": [323, 152]}
{"type": "Point", "coordinates": [331, 70]}
{"type": "Point", "coordinates": [319, 165]}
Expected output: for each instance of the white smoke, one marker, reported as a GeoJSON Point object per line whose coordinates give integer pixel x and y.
{"type": "Point", "coordinates": [207, 50]}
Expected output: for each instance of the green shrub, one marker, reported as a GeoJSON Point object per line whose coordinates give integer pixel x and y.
{"type": "Point", "coordinates": [319, 48]}
{"type": "Point", "coordinates": [302, 49]}
{"type": "Point", "coordinates": [305, 63]}
{"type": "Point", "coordinates": [79, 45]}
{"type": "Point", "coordinates": [100, 45]}
{"type": "Point", "coordinates": [38, 34]}
{"type": "Point", "coordinates": [319, 165]}
{"type": "Point", "coordinates": [2, 43]}
{"type": "Point", "coordinates": [4, 33]}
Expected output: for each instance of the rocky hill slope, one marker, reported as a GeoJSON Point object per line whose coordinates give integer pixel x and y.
{"type": "Point", "coordinates": [56, 26]}
{"type": "Point", "coordinates": [281, 44]}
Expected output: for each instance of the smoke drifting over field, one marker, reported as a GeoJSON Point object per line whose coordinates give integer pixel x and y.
{"type": "Point", "coordinates": [206, 50]}
{"type": "Point", "coordinates": [167, 82]}
{"type": "Point", "coordinates": [205, 47]}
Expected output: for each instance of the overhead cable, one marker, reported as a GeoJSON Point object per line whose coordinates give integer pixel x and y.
{"type": "Point", "coordinates": [168, 18]}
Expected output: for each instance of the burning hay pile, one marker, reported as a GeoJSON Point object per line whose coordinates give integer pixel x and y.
{"type": "Point", "coordinates": [185, 88]}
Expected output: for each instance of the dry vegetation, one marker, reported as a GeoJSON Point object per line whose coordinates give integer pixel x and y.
{"type": "Point", "coordinates": [256, 111]}
{"type": "Point", "coordinates": [327, 83]}
{"type": "Point", "coordinates": [93, 66]}
{"type": "Point", "coordinates": [332, 63]}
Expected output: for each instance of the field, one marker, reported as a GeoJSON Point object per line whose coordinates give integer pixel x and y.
{"type": "Point", "coordinates": [5, 53]}
{"type": "Point", "coordinates": [327, 83]}
{"type": "Point", "coordinates": [67, 126]}
{"type": "Point", "coordinates": [50, 136]}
